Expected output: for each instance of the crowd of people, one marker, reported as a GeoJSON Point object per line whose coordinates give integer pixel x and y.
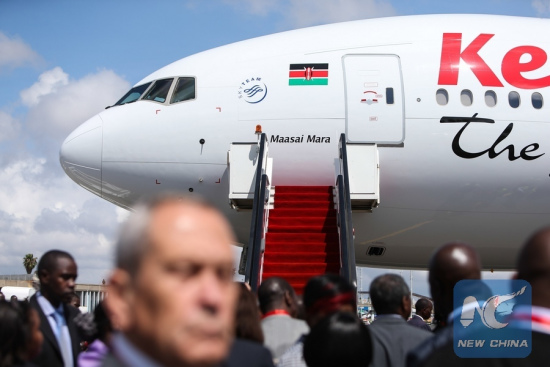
{"type": "Point", "coordinates": [172, 301]}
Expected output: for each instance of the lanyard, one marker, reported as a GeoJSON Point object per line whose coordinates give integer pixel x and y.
{"type": "Point", "coordinates": [275, 312]}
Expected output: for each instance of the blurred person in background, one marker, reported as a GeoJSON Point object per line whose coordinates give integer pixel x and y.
{"type": "Point", "coordinates": [20, 335]}
{"type": "Point", "coordinates": [247, 349]}
{"type": "Point", "coordinates": [248, 316]}
{"type": "Point", "coordinates": [98, 343]}
{"type": "Point", "coordinates": [323, 295]}
{"type": "Point", "coordinates": [424, 310]}
{"type": "Point", "coordinates": [449, 264]}
{"type": "Point", "coordinates": [75, 300]}
{"type": "Point", "coordinates": [279, 310]}
{"type": "Point", "coordinates": [340, 339]}
{"type": "Point", "coordinates": [393, 338]}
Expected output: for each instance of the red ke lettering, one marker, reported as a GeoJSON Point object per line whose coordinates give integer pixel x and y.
{"type": "Point", "coordinates": [451, 55]}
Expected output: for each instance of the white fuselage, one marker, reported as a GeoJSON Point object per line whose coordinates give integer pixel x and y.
{"type": "Point", "coordinates": [435, 187]}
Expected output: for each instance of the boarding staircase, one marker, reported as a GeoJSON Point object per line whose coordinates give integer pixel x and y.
{"type": "Point", "coordinates": [302, 237]}
{"type": "Point", "coordinates": [300, 231]}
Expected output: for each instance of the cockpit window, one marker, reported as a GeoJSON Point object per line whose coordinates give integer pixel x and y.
{"type": "Point", "coordinates": [184, 91]}
{"type": "Point", "coordinates": [133, 95]}
{"type": "Point", "coordinates": [159, 91]}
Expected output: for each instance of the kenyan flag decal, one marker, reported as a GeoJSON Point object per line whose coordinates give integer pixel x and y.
{"type": "Point", "coordinates": [308, 74]}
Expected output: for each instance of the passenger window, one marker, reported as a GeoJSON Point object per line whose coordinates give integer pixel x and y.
{"type": "Point", "coordinates": [466, 97]}
{"type": "Point", "coordinates": [159, 91]}
{"type": "Point", "coordinates": [490, 98]}
{"type": "Point", "coordinates": [536, 100]}
{"type": "Point", "coordinates": [513, 99]}
{"type": "Point", "coordinates": [442, 97]}
{"type": "Point", "coordinates": [184, 91]}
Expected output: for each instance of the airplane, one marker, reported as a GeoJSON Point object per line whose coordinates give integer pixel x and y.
{"type": "Point", "coordinates": [455, 105]}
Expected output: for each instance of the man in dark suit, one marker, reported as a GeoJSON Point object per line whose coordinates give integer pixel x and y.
{"type": "Point", "coordinates": [423, 312]}
{"type": "Point", "coordinates": [392, 337]}
{"type": "Point", "coordinates": [57, 273]}
{"type": "Point", "coordinates": [533, 266]}
{"type": "Point", "coordinates": [448, 265]}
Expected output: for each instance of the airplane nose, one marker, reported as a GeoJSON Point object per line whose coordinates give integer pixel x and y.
{"type": "Point", "coordinates": [80, 154]}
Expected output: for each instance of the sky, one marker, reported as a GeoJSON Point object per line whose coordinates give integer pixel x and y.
{"type": "Point", "coordinates": [62, 62]}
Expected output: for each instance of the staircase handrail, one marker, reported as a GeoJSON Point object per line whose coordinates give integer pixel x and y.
{"type": "Point", "coordinates": [346, 226]}
{"type": "Point", "coordinates": [256, 243]}
{"type": "Point", "coordinates": [341, 221]}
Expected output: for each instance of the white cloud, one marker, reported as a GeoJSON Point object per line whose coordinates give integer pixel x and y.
{"type": "Point", "coordinates": [41, 208]}
{"type": "Point", "coordinates": [9, 127]}
{"type": "Point", "coordinates": [48, 82]}
{"type": "Point", "coordinates": [14, 52]}
{"type": "Point", "coordinates": [259, 7]}
{"type": "Point", "coordinates": [541, 6]}
{"type": "Point", "coordinates": [121, 214]}
{"type": "Point", "coordinates": [68, 103]}
{"type": "Point", "coordinates": [39, 215]}
{"type": "Point", "coordinates": [303, 13]}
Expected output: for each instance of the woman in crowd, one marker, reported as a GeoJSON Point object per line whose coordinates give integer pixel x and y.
{"type": "Point", "coordinates": [340, 339]}
{"type": "Point", "coordinates": [248, 320]}
{"type": "Point", "coordinates": [20, 335]}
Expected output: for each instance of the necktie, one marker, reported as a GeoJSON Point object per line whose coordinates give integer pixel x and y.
{"type": "Point", "coordinates": [64, 339]}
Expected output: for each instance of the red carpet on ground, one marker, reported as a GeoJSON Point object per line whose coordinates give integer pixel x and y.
{"type": "Point", "coordinates": [302, 235]}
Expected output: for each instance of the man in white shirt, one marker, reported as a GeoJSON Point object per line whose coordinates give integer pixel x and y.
{"type": "Point", "coordinates": [279, 308]}
{"type": "Point", "coordinates": [57, 272]}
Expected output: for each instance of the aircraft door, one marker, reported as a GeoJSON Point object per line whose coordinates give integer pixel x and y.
{"type": "Point", "coordinates": [374, 99]}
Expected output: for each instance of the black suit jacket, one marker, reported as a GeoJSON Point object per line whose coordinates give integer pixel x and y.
{"type": "Point", "coordinates": [419, 322]}
{"type": "Point", "coordinates": [392, 339]}
{"type": "Point", "coordinates": [245, 353]}
{"type": "Point", "coordinates": [50, 356]}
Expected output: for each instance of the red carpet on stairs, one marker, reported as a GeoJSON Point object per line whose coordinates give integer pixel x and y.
{"type": "Point", "coordinates": [302, 236]}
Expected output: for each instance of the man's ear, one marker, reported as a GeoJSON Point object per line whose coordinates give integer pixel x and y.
{"type": "Point", "coordinates": [288, 299]}
{"type": "Point", "coordinates": [291, 304]}
{"type": "Point", "coordinates": [43, 275]}
{"type": "Point", "coordinates": [118, 303]}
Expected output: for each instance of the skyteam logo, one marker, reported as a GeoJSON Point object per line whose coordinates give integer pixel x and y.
{"type": "Point", "coordinates": [483, 324]}
{"type": "Point", "coordinates": [252, 90]}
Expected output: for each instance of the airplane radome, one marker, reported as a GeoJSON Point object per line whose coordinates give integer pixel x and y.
{"type": "Point", "coordinates": [457, 106]}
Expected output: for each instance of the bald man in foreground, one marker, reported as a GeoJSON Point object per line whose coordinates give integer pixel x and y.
{"type": "Point", "coordinates": [172, 294]}
{"type": "Point", "coordinates": [449, 264]}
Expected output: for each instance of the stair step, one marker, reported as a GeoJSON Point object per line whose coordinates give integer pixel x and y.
{"type": "Point", "coordinates": [315, 247]}
{"type": "Point", "coordinates": [318, 268]}
{"type": "Point", "coordinates": [327, 257]}
{"type": "Point", "coordinates": [302, 237]}
{"type": "Point", "coordinates": [302, 221]}
{"type": "Point", "coordinates": [302, 229]}
{"type": "Point", "coordinates": [310, 204]}
{"type": "Point", "coordinates": [299, 212]}
{"type": "Point", "coordinates": [303, 196]}
{"type": "Point", "coordinates": [308, 189]}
